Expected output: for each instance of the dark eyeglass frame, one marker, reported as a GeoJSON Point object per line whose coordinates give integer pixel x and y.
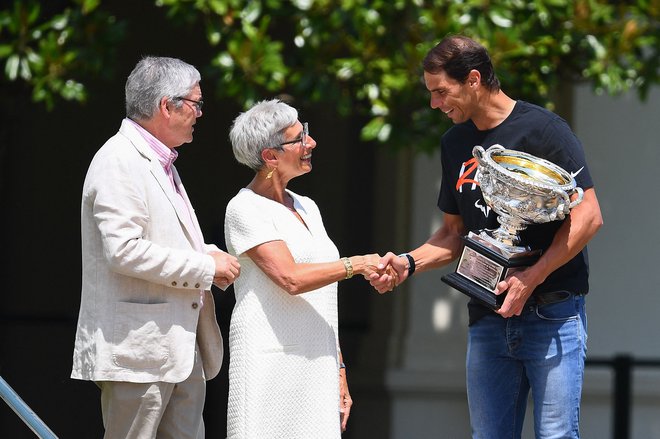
{"type": "Point", "coordinates": [198, 104]}
{"type": "Point", "coordinates": [302, 138]}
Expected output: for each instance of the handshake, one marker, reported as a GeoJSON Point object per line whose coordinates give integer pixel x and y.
{"type": "Point", "coordinates": [386, 272]}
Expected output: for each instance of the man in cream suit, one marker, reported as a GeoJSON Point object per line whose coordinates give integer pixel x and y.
{"type": "Point", "coordinates": [147, 333]}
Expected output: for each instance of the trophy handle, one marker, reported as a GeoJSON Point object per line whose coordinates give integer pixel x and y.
{"type": "Point", "coordinates": [578, 200]}
{"type": "Point", "coordinates": [567, 203]}
{"type": "Point", "coordinates": [478, 153]}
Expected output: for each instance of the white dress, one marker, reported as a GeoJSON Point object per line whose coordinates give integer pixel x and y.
{"type": "Point", "coordinates": [283, 370]}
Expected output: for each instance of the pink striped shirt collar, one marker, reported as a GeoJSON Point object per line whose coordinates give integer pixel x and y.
{"type": "Point", "coordinates": [166, 156]}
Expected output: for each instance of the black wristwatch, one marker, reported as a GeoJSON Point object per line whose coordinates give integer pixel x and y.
{"type": "Point", "coordinates": [411, 263]}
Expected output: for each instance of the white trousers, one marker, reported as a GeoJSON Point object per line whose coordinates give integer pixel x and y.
{"type": "Point", "coordinates": [155, 410]}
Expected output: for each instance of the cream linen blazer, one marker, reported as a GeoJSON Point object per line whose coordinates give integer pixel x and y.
{"type": "Point", "coordinates": [142, 280]}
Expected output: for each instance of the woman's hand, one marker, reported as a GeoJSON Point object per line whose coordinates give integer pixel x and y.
{"type": "Point", "coordinates": [345, 401]}
{"type": "Point", "coordinates": [366, 265]}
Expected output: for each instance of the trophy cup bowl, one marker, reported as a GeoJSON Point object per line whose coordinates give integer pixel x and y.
{"type": "Point", "coordinates": [521, 189]}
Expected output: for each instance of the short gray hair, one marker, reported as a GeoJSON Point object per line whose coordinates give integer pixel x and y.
{"type": "Point", "coordinates": [154, 78]}
{"type": "Point", "coordinates": [261, 127]}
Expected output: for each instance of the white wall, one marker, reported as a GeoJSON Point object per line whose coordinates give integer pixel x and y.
{"type": "Point", "coordinates": [620, 136]}
{"type": "Point", "coordinates": [620, 139]}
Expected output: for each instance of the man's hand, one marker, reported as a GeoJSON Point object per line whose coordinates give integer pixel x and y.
{"type": "Point", "coordinates": [393, 270]}
{"type": "Point", "coordinates": [518, 287]}
{"type": "Point", "coordinates": [227, 269]}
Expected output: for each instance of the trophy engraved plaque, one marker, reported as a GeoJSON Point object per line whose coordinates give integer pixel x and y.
{"type": "Point", "coordinates": [521, 189]}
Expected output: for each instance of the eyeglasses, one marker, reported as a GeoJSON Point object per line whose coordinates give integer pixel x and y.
{"type": "Point", "coordinates": [302, 139]}
{"type": "Point", "coordinates": [198, 104]}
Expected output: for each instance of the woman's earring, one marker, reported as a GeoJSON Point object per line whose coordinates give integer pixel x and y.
{"type": "Point", "coordinates": [270, 174]}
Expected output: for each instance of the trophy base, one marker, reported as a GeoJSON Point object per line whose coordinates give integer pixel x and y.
{"type": "Point", "coordinates": [483, 265]}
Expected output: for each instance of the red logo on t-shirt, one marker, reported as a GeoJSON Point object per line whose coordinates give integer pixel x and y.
{"type": "Point", "coordinates": [466, 176]}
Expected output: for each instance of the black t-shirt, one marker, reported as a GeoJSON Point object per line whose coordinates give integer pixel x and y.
{"type": "Point", "coordinates": [531, 129]}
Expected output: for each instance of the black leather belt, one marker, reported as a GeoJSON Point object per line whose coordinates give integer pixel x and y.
{"type": "Point", "coordinates": [549, 297]}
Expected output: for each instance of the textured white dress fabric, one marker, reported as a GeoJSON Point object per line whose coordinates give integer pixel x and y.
{"type": "Point", "coordinates": [283, 371]}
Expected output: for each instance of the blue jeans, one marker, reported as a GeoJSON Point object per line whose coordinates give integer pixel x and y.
{"type": "Point", "coordinates": [542, 350]}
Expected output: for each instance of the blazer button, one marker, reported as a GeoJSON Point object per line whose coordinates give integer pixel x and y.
{"type": "Point", "coordinates": [197, 285]}
{"type": "Point", "coordinates": [185, 284]}
{"type": "Point", "coordinates": [174, 283]}
{"type": "Point", "coordinates": [195, 305]}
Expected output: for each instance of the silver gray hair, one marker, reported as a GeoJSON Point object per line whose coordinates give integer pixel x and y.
{"type": "Point", "coordinates": [156, 77]}
{"type": "Point", "coordinates": [261, 127]}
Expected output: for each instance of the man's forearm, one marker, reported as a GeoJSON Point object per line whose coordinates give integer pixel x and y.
{"type": "Point", "coordinates": [578, 229]}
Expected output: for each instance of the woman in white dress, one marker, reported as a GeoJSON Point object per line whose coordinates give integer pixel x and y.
{"type": "Point", "coordinates": [286, 372]}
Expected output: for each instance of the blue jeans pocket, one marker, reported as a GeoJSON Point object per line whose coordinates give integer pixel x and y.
{"type": "Point", "coordinates": [561, 311]}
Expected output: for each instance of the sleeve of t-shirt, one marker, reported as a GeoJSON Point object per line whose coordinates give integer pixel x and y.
{"type": "Point", "coordinates": [563, 148]}
{"type": "Point", "coordinates": [247, 225]}
{"type": "Point", "coordinates": [446, 200]}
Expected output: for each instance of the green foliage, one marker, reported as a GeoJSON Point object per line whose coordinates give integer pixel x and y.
{"type": "Point", "coordinates": [51, 51]}
{"type": "Point", "coordinates": [362, 57]}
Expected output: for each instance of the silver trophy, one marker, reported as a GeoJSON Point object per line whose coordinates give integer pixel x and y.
{"type": "Point", "coordinates": [522, 189]}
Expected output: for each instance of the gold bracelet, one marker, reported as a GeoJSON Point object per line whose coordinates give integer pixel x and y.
{"type": "Point", "coordinates": [348, 266]}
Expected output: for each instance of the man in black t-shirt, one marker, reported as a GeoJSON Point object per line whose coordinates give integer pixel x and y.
{"type": "Point", "coordinates": [528, 343]}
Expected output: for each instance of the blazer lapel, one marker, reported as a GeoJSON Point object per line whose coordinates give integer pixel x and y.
{"type": "Point", "coordinates": [193, 218]}
{"type": "Point", "coordinates": [158, 173]}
